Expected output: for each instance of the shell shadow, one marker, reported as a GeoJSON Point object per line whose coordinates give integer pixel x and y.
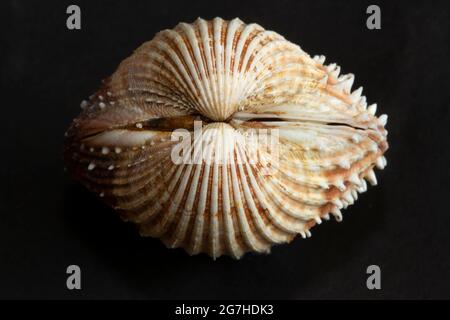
{"type": "Point", "coordinates": [151, 271]}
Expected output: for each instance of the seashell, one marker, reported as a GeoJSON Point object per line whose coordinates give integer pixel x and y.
{"type": "Point", "coordinates": [284, 143]}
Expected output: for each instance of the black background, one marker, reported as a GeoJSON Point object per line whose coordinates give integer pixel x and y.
{"type": "Point", "coordinates": [47, 222]}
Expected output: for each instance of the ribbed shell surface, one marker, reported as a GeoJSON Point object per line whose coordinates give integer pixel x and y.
{"type": "Point", "coordinates": [316, 144]}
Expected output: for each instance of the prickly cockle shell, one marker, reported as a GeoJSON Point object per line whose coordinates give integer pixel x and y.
{"type": "Point", "coordinates": [236, 194]}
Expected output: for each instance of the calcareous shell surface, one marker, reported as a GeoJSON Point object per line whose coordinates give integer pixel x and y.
{"type": "Point", "coordinates": [277, 141]}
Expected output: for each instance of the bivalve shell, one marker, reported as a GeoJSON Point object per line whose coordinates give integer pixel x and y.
{"type": "Point", "coordinates": [221, 137]}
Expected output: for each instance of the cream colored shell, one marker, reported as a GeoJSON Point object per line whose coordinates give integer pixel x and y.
{"type": "Point", "coordinates": [236, 77]}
